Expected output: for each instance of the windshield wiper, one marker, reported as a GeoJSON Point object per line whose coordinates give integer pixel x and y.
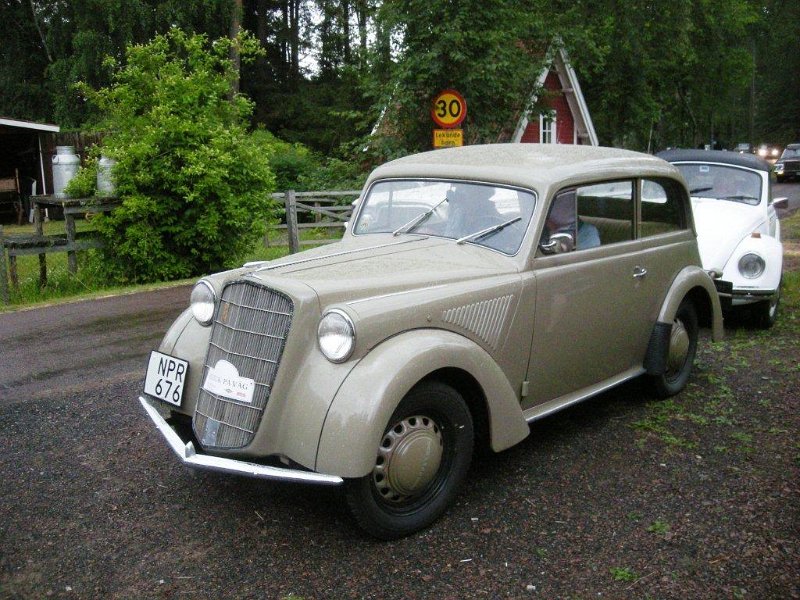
{"type": "Point", "coordinates": [739, 198]}
{"type": "Point", "coordinates": [418, 219]}
{"type": "Point", "coordinates": [700, 189]}
{"type": "Point", "coordinates": [488, 231]}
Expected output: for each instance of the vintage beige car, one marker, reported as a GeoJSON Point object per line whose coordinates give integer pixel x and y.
{"type": "Point", "coordinates": [476, 290]}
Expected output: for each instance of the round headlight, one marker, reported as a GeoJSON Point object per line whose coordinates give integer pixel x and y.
{"type": "Point", "coordinates": [202, 302]}
{"type": "Point", "coordinates": [751, 266]}
{"type": "Point", "coordinates": [336, 336]}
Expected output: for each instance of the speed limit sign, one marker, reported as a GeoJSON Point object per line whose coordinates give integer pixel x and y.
{"type": "Point", "coordinates": [449, 109]}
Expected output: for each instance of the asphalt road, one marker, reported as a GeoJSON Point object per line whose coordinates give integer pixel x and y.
{"type": "Point", "coordinates": [791, 191]}
{"type": "Point", "coordinates": [82, 346]}
{"type": "Point", "coordinates": [94, 505]}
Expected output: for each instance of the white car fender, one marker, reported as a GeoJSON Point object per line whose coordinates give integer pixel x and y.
{"type": "Point", "coordinates": [770, 250]}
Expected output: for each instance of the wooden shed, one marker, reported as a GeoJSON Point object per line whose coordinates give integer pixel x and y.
{"type": "Point", "coordinates": [26, 150]}
{"type": "Point", "coordinates": [565, 118]}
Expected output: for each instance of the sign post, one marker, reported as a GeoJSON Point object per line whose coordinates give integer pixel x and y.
{"type": "Point", "coordinates": [448, 111]}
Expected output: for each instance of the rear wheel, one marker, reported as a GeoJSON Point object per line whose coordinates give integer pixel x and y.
{"type": "Point", "coordinates": [682, 348]}
{"type": "Point", "coordinates": [421, 462]}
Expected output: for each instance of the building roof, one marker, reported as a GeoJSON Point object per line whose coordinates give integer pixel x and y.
{"type": "Point", "coordinates": [17, 124]}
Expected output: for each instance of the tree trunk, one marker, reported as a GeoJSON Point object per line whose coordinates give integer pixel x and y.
{"type": "Point", "coordinates": [236, 25]}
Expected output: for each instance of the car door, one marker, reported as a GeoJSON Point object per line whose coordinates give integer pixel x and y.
{"type": "Point", "coordinates": [596, 304]}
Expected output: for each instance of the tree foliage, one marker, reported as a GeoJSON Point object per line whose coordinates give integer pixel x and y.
{"type": "Point", "coordinates": [195, 185]}
{"type": "Point", "coordinates": [683, 72]}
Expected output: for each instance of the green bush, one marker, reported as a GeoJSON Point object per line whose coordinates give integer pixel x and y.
{"type": "Point", "coordinates": [195, 186]}
{"type": "Point", "coordinates": [84, 183]}
{"type": "Point", "coordinates": [291, 163]}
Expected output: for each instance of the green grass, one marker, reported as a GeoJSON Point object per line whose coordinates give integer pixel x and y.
{"type": "Point", "coordinates": [623, 574]}
{"type": "Point", "coordinates": [659, 528]}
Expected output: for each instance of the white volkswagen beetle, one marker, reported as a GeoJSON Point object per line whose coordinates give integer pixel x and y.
{"type": "Point", "coordinates": [738, 231]}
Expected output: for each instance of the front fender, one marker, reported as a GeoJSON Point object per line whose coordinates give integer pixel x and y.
{"type": "Point", "coordinates": [690, 281]}
{"type": "Point", "coordinates": [769, 249]}
{"type": "Point", "coordinates": [363, 405]}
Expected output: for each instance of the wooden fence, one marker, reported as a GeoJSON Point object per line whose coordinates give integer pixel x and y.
{"type": "Point", "coordinates": [327, 210]}
{"type": "Point", "coordinates": [40, 244]}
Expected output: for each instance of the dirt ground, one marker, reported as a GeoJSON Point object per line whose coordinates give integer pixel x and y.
{"type": "Point", "coordinates": [622, 496]}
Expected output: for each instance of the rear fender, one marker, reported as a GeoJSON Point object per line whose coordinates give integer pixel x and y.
{"type": "Point", "coordinates": [694, 282]}
{"type": "Point", "coordinates": [363, 405]}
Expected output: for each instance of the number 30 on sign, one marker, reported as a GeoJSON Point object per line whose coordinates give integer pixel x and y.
{"type": "Point", "coordinates": [449, 109]}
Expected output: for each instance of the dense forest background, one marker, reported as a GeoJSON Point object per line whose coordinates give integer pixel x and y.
{"type": "Point", "coordinates": [654, 73]}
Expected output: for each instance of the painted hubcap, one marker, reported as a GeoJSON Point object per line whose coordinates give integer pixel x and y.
{"type": "Point", "coordinates": [678, 347]}
{"type": "Point", "coordinates": [408, 459]}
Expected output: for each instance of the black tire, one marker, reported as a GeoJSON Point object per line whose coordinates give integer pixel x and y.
{"type": "Point", "coordinates": [381, 502]}
{"type": "Point", "coordinates": [683, 346]}
{"type": "Point", "coordinates": [766, 313]}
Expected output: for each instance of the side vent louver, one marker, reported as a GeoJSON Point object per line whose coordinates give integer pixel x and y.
{"type": "Point", "coordinates": [484, 319]}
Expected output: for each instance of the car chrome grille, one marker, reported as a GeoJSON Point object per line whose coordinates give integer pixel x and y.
{"type": "Point", "coordinates": [249, 331]}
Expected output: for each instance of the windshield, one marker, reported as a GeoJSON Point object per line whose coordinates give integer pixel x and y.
{"type": "Point", "coordinates": [722, 183]}
{"type": "Point", "coordinates": [791, 153]}
{"type": "Point", "coordinates": [448, 209]}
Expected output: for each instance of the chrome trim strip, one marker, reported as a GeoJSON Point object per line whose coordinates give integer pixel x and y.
{"type": "Point", "coordinates": [188, 456]}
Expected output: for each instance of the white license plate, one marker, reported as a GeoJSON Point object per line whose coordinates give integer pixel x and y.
{"type": "Point", "coordinates": [165, 377]}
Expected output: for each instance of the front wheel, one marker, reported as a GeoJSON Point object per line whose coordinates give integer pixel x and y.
{"type": "Point", "coordinates": [766, 313]}
{"type": "Point", "coordinates": [420, 463]}
{"type": "Point", "coordinates": [682, 348]}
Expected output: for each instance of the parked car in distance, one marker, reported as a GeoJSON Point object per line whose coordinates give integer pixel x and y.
{"type": "Point", "coordinates": [738, 230]}
{"type": "Point", "coordinates": [788, 165]}
{"type": "Point", "coordinates": [476, 290]}
{"type": "Point", "coordinates": [743, 148]}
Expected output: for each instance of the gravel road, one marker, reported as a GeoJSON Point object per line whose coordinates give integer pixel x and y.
{"type": "Point", "coordinates": [620, 497]}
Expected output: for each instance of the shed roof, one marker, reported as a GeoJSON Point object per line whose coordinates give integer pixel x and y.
{"type": "Point", "coordinates": [17, 124]}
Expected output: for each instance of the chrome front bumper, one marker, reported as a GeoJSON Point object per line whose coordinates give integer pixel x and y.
{"type": "Point", "coordinates": [189, 456]}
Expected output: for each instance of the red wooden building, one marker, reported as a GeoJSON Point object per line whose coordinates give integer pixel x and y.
{"type": "Point", "coordinates": [565, 119]}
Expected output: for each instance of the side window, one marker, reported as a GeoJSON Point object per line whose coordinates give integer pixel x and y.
{"type": "Point", "coordinates": [605, 213]}
{"type": "Point", "coordinates": [662, 207]}
{"type": "Point", "coordinates": [561, 219]}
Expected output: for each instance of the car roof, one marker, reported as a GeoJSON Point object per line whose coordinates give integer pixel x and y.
{"type": "Point", "coordinates": [537, 166]}
{"type": "Point", "coordinates": [793, 146]}
{"type": "Point", "coordinates": [716, 156]}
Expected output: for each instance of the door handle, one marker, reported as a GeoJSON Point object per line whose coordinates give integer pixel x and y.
{"type": "Point", "coordinates": [639, 272]}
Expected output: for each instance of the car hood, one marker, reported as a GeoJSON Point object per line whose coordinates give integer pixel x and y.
{"type": "Point", "coordinates": [385, 265]}
{"type": "Point", "coordinates": [720, 227]}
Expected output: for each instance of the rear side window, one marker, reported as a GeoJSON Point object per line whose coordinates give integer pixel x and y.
{"type": "Point", "coordinates": [663, 207]}
{"type": "Point", "coordinates": [605, 212]}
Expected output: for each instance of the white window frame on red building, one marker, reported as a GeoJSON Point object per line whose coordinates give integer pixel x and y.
{"type": "Point", "coordinates": [548, 128]}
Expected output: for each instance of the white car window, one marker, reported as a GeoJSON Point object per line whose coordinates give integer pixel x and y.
{"type": "Point", "coordinates": [722, 182]}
